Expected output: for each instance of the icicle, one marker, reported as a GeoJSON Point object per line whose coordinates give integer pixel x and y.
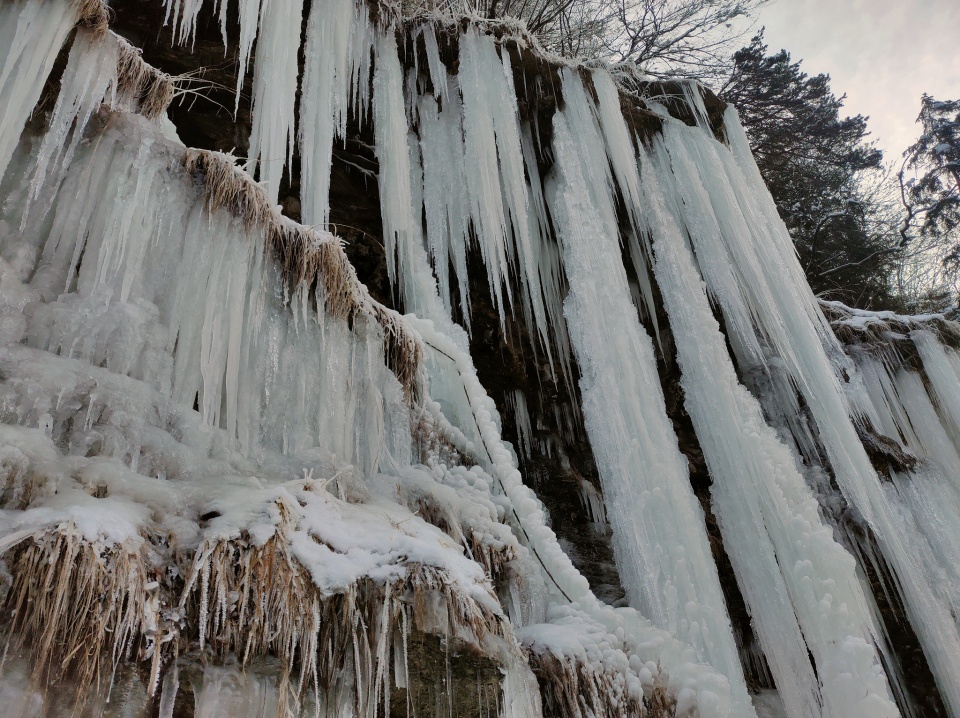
{"type": "Point", "coordinates": [329, 58]}
{"type": "Point", "coordinates": [184, 20]}
{"type": "Point", "coordinates": [445, 197]}
{"type": "Point", "coordinates": [31, 34]}
{"type": "Point", "coordinates": [548, 262]}
{"type": "Point", "coordinates": [438, 71]}
{"type": "Point", "coordinates": [251, 16]}
{"type": "Point", "coordinates": [392, 152]}
{"type": "Point", "coordinates": [516, 196]}
{"type": "Point", "coordinates": [659, 534]}
{"type": "Point", "coordinates": [479, 66]}
{"type": "Point", "coordinates": [498, 192]}
{"type": "Point", "coordinates": [522, 421]}
{"type": "Point", "coordinates": [274, 92]}
{"type": "Point", "coordinates": [168, 695]}
{"type": "Point", "coordinates": [786, 561]}
{"type": "Point", "coordinates": [693, 96]}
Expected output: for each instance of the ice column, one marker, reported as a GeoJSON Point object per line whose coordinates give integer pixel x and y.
{"type": "Point", "coordinates": [801, 586]}
{"type": "Point", "coordinates": [31, 34]}
{"type": "Point", "coordinates": [658, 526]}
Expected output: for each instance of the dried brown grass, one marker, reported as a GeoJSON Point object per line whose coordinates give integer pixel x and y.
{"type": "Point", "coordinates": [431, 443]}
{"type": "Point", "coordinates": [147, 89]}
{"type": "Point", "coordinates": [493, 558]}
{"type": "Point", "coordinates": [308, 258]}
{"type": "Point", "coordinates": [80, 608]}
{"type": "Point", "coordinates": [573, 689]}
{"type": "Point", "coordinates": [82, 611]}
{"type": "Point", "coordinates": [93, 15]}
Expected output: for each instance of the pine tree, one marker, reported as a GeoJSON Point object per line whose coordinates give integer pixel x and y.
{"type": "Point", "coordinates": [813, 162]}
{"type": "Point", "coordinates": [932, 196]}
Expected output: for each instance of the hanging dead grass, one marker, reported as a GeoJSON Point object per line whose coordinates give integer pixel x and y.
{"type": "Point", "coordinates": [93, 15]}
{"type": "Point", "coordinates": [143, 86]}
{"type": "Point", "coordinates": [81, 609]}
{"type": "Point", "coordinates": [494, 557]}
{"type": "Point", "coordinates": [308, 258]}
{"type": "Point", "coordinates": [574, 689]}
{"type": "Point", "coordinates": [254, 601]}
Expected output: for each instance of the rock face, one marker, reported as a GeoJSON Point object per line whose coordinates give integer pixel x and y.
{"type": "Point", "coordinates": [561, 459]}
{"type": "Point", "coordinates": [505, 358]}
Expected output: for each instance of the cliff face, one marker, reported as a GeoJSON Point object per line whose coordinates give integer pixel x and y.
{"type": "Point", "coordinates": [506, 359]}
{"type": "Point", "coordinates": [426, 373]}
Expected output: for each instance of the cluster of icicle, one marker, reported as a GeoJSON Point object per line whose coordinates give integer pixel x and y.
{"type": "Point", "coordinates": [175, 353]}
{"type": "Point", "coordinates": [141, 279]}
{"type": "Point", "coordinates": [458, 165]}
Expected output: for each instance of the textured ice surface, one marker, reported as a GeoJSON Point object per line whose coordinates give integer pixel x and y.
{"type": "Point", "coordinates": [659, 534]}
{"type": "Point", "coordinates": [800, 585]}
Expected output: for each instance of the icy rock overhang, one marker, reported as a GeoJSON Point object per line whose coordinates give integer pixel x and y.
{"type": "Point", "coordinates": [883, 332]}
{"type": "Point", "coordinates": [896, 354]}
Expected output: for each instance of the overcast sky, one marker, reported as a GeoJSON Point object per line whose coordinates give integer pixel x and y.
{"type": "Point", "coordinates": [882, 53]}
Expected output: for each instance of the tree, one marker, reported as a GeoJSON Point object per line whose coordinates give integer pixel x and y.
{"type": "Point", "coordinates": [816, 165]}
{"type": "Point", "coordinates": [686, 38]}
{"type": "Point", "coordinates": [932, 195]}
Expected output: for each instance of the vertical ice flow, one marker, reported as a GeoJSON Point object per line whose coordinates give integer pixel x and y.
{"type": "Point", "coordinates": [660, 539]}
{"type": "Point", "coordinates": [800, 585]}
{"type": "Point", "coordinates": [745, 241]}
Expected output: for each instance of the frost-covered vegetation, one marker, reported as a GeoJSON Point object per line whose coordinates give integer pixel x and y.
{"type": "Point", "coordinates": [234, 481]}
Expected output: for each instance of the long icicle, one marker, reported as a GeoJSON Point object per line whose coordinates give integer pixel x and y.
{"type": "Point", "coordinates": [660, 539]}
{"type": "Point", "coordinates": [747, 260]}
{"type": "Point", "coordinates": [801, 586]}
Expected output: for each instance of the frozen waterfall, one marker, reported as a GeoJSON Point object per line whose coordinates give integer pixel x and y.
{"type": "Point", "coordinates": [479, 385]}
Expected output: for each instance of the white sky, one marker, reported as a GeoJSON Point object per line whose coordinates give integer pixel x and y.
{"type": "Point", "coordinates": [882, 53]}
